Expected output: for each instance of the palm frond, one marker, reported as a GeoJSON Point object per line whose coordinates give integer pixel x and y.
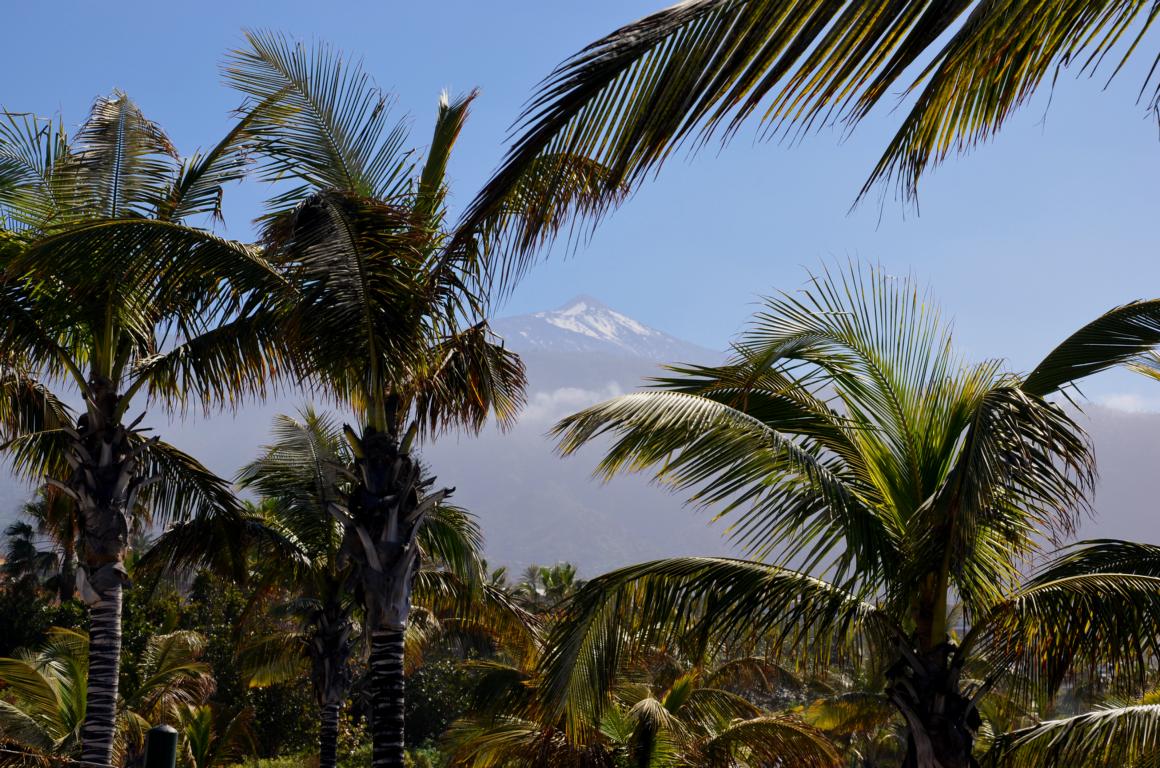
{"type": "Point", "coordinates": [472, 377]}
{"type": "Point", "coordinates": [184, 489]}
{"type": "Point", "coordinates": [276, 657]}
{"type": "Point", "coordinates": [32, 152]}
{"type": "Point", "coordinates": [223, 366]}
{"type": "Point", "coordinates": [706, 600]}
{"type": "Point", "coordinates": [733, 461]}
{"type": "Point", "coordinates": [1118, 336]}
{"type": "Point", "coordinates": [451, 538]}
{"type": "Point", "coordinates": [1122, 736]}
{"type": "Point", "coordinates": [199, 185]}
{"type": "Point", "coordinates": [854, 712]}
{"type": "Point", "coordinates": [27, 405]}
{"type": "Point", "coordinates": [772, 740]}
{"type": "Point", "coordinates": [432, 187]}
{"type": "Point", "coordinates": [1101, 556]}
{"type": "Point", "coordinates": [320, 118]}
{"type": "Point", "coordinates": [361, 319]}
{"type": "Point", "coordinates": [123, 163]}
{"type": "Point", "coordinates": [704, 67]}
{"type": "Point", "coordinates": [1096, 623]}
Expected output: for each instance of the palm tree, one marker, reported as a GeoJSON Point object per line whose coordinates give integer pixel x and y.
{"type": "Point", "coordinates": [388, 315]}
{"type": "Point", "coordinates": [701, 68]}
{"type": "Point", "coordinates": [298, 477]}
{"type": "Point", "coordinates": [304, 475]}
{"type": "Point", "coordinates": [45, 705]}
{"type": "Point", "coordinates": [303, 572]}
{"type": "Point", "coordinates": [25, 562]}
{"type": "Point", "coordinates": [53, 515]}
{"type": "Point", "coordinates": [106, 291]}
{"type": "Point", "coordinates": [845, 438]}
{"type": "Point", "coordinates": [214, 738]}
{"type": "Point", "coordinates": [542, 587]}
{"type": "Point", "coordinates": [663, 712]}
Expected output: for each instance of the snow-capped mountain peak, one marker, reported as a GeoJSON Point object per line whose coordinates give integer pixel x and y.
{"type": "Point", "coordinates": [589, 325]}
{"type": "Point", "coordinates": [589, 317]}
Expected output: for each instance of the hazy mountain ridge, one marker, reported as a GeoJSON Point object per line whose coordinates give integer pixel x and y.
{"type": "Point", "coordinates": [536, 507]}
{"type": "Point", "coordinates": [587, 325]}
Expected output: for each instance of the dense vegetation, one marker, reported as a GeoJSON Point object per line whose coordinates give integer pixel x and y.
{"type": "Point", "coordinates": [912, 595]}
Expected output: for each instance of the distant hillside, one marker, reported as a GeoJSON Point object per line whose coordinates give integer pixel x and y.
{"type": "Point", "coordinates": [535, 506]}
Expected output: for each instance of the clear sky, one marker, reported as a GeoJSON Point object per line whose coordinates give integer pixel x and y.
{"type": "Point", "coordinates": [1022, 240]}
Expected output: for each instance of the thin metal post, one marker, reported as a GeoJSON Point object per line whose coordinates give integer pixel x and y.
{"type": "Point", "coordinates": [161, 747]}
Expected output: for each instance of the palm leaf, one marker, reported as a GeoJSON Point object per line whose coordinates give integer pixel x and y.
{"type": "Point", "coordinates": [123, 164]}
{"type": "Point", "coordinates": [32, 152]}
{"type": "Point", "coordinates": [1121, 736]}
{"type": "Point", "coordinates": [699, 599]}
{"type": "Point", "coordinates": [773, 740]}
{"type": "Point", "coordinates": [1085, 624]}
{"type": "Point", "coordinates": [1115, 337]}
{"type": "Point", "coordinates": [678, 76]}
{"type": "Point", "coordinates": [320, 118]}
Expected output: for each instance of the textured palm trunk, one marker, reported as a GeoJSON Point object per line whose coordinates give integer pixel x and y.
{"type": "Point", "coordinates": [104, 484]}
{"type": "Point", "coordinates": [388, 698]}
{"type": "Point", "coordinates": [104, 671]}
{"type": "Point", "coordinates": [328, 735]}
{"type": "Point", "coordinates": [941, 721]}
{"type": "Point", "coordinates": [386, 513]}
{"type": "Point", "coordinates": [330, 649]}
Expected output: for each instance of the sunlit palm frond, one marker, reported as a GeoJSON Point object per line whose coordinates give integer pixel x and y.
{"type": "Point", "coordinates": [320, 119]}
{"type": "Point", "coordinates": [32, 152]}
{"type": "Point", "coordinates": [703, 67]}
{"type": "Point", "coordinates": [771, 740]}
{"type": "Point", "coordinates": [1105, 623]}
{"type": "Point", "coordinates": [855, 712]}
{"type": "Point", "coordinates": [1102, 556]}
{"type": "Point", "coordinates": [173, 676]}
{"type": "Point", "coordinates": [451, 538]}
{"type": "Point", "coordinates": [1115, 736]}
{"type": "Point", "coordinates": [1025, 468]}
{"type": "Point", "coordinates": [468, 610]}
{"type": "Point", "coordinates": [432, 185]}
{"type": "Point", "coordinates": [275, 657]}
{"type": "Point", "coordinates": [663, 601]}
{"type": "Point", "coordinates": [122, 163]}
{"type": "Point", "coordinates": [733, 462]}
{"type": "Point", "coordinates": [1118, 336]}
{"type": "Point", "coordinates": [512, 741]}
{"type": "Point", "coordinates": [35, 456]}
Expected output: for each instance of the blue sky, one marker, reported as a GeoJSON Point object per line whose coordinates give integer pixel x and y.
{"type": "Point", "coordinates": [1022, 240]}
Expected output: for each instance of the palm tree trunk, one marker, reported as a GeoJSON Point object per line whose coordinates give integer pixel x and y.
{"type": "Point", "coordinates": [328, 736]}
{"type": "Point", "coordinates": [941, 721]}
{"type": "Point", "coordinates": [330, 648]}
{"type": "Point", "coordinates": [104, 670]}
{"type": "Point", "coordinates": [387, 689]}
{"type": "Point", "coordinates": [104, 486]}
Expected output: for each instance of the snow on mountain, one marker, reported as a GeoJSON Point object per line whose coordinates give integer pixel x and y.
{"type": "Point", "coordinates": [585, 324]}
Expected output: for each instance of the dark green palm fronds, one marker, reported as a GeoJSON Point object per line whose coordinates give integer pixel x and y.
{"type": "Point", "coordinates": [705, 67]}
{"type": "Point", "coordinates": [708, 600]}
{"type": "Point", "coordinates": [1116, 736]}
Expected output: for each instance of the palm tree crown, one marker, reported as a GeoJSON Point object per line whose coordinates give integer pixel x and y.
{"type": "Point", "coordinates": [846, 439]}
{"type": "Point", "coordinates": [107, 292]}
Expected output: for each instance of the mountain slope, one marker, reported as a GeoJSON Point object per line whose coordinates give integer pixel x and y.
{"type": "Point", "coordinates": [536, 507]}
